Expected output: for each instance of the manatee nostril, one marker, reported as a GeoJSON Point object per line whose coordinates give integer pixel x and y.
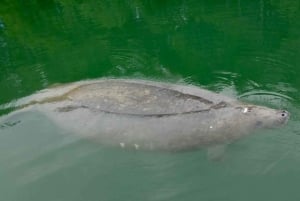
{"type": "Point", "coordinates": [284, 113]}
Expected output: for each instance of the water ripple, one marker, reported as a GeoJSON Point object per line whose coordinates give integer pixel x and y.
{"type": "Point", "coordinates": [39, 68]}
{"type": "Point", "coordinates": [273, 99]}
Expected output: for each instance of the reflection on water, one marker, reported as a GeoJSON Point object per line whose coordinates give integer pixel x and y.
{"type": "Point", "coordinates": [244, 49]}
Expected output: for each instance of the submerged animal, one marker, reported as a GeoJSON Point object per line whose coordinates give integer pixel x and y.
{"type": "Point", "coordinates": [149, 115]}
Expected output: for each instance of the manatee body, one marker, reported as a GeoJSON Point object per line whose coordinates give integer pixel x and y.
{"type": "Point", "coordinates": [149, 115]}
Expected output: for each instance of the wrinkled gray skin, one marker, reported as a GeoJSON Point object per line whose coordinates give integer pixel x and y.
{"type": "Point", "coordinates": [148, 115]}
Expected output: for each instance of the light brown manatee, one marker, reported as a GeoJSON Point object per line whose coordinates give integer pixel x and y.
{"type": "Point", "coordinates": [148, 115]}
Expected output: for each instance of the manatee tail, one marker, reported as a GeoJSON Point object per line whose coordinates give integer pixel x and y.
{"type": "Point", "coordinates": [7, 124]}
{"type": "Point", "coordinates": [11, 119]}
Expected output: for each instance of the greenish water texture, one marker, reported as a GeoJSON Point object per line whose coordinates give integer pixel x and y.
{"type": "Point", "coordinates": [246, 49]}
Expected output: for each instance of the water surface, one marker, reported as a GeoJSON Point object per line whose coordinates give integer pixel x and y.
{"type": "Point", "coordinates": [244, 49]}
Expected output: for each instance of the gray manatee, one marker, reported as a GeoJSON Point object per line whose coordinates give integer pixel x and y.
{"type": "Point", "coordinates": [148, 115]}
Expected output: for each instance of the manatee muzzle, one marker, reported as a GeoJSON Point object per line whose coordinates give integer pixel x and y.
{"type": "Point", "coordinates": [283, 116]}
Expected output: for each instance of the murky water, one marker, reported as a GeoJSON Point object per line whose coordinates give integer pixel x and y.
{"type": "Point", "coordinates": [244, 49]}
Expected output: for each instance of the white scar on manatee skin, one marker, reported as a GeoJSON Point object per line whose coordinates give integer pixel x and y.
{"type": "Point", "coordinates": [245, 110]}
{"type": "Point", "coordinates": [147, 115]}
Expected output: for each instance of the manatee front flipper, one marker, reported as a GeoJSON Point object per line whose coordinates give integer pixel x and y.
{"type": "Point", "coordinates": [216, 152]}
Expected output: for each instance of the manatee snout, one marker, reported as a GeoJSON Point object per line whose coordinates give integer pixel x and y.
{"type": "Point", "coordinates": [279, 118]}
{"type": "Point", "coordinates": [283, 116]}
{"type": "Point", "coordinates": [269, 118]}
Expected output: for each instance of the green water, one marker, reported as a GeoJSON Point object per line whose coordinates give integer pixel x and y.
{"type": "Point", "coordinates": [245, 49]}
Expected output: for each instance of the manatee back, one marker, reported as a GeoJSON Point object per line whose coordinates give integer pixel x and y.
{"type": "Point", "coordinates": [128, 96]}
{"type": "Point", "coordinates": [117, 96]}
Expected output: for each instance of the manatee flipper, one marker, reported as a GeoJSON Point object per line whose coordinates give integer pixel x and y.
{"type": "Point", "coordinates": [216, 152]}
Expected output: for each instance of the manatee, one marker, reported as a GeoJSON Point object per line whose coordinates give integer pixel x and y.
{"type": "Point", "coordinates": [147, 115]}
